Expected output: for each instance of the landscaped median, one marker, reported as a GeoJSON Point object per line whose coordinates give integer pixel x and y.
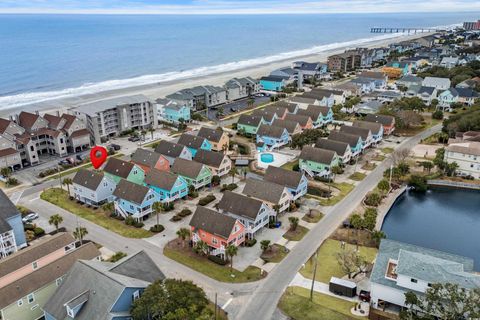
{"type": "Point", "coordinates": [343, 189]}
{"type": "Point", "coordinates": [185, 255]}
{"type": "Point", "coordinates": [98, 216]}
{"type": "Point", "coordinates": [296, 303]}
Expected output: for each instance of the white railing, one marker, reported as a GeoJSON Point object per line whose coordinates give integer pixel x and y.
{"type": "Point", "coordinates": [218, 251]}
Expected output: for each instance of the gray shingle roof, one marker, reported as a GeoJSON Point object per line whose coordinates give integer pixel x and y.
{"type": "Point", "coordinates": [383, 119]}
{"type": "Point", "coordinates": [284, 177]}
{"type": "Point", "coordinates": [191, 141]}
{"type": "Point", "coordinates": [145, 157]}
{"type": "Point", "coordinates": [212, 222]}
{"type": "Point", "coordinates": [209, 158]}
{"type": "Point", "coordinates": [7, 211]}
{"type": "Point", "coordinates": [301, 119]}
{"type": "Point", "coordinates": [356, 131]}
{"type": "Point", "coordinates": [249, 120]}
{"type": "Point", "coordinates": [317, 155]}
{"type": "Point", "coordinates": [105, 282]}
{"type": "Point", "coordinates": [338, 146]}
{"type": "Point", "coordinates": [291, 107]}
{"type": "Point", "coordinates": [190, 169]}
{"type": "Point", "coordinates": [266, 114]}
{"type": "Point", "coordinates": [351, 139]}
{"type": "Point", "coordinates": [130, 191]}
{"type": "Point", "coordinates": [240, 205]}
{"type": "Point", "coordinates": [118, 167]}
{"type": "Point", "coordinates": [161, 179]}
{"type": "Point", "coordinates": [270, 131]}
{"type": "Point", "coordinates": [314, 111]}
{"type": "Point", "coordinates": [210, 134]}
{"type": "Point", "coordinates": [372, 126]}
{"type": "Point", "coordinates": [264, 190]}
{"type": "Point", "coordinates": [279, 111]}
{"type": "Point", "coordinates": [291, 126]}
{"type": "Point", "coordinates": [169, 149]}
{"type": "Point", "coordinates": [88, 178]}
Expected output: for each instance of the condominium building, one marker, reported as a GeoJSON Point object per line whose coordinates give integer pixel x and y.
{"type": "Point", "coordinates": [200, 97]}
{"type": "Point", "coordinates": [344, 62]}
{"type": "Point", "coordinates": [109, 118]}
{"type": "Point", "coordinates": [12, 234]}
{"type": "Point", "coordinates": [466, 154]}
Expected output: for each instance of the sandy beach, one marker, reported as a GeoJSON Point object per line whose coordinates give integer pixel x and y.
{"type": "Point", "coordinates": [155, 91]}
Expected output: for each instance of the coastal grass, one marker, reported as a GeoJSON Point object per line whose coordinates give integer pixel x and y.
{"type": "Point", "coordinates": [201, 264]}
{"type": "Point", "coordinates": [313, 217]}
{"type": "Point", "coordinates": [274, 254]}
{"type": "Point", "coordinates": [297, 234]}
{"type": "Point", "coordinates": [357, 176]}
{"type": "Point", "coordinates": [387, 150]}
{"type": "Point", "coordinates": [61, 199]}
{"type": "Point", "coordinates": [369, 166]}
{"type": "Point", "coordinates": [290, 165]}
{"type": "Point", "coordinates": [327, 264]}
{"type": "Point", "coordinates": [378, 157]}
{"type": "Point", "coordinates": [344, 189]}
{"type": "Point", "coordinates": [295, 303]}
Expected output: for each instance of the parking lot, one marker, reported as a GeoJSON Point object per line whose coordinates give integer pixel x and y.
{"type": "Point", "coordinates": [235, 106]}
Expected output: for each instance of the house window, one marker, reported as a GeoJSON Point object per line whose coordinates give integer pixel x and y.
{"type": "Point", "coordinates": [34, 265]}
{"type": "Point", "coordinates": [58, 281]}
{"type": "Point", "coordinates": [136, 295]}
{"type": "Point", "coordinates": [413, 280]}
{"type": "Point", "coordinates": [429, 285]}
{"type": "Point", "coordinates": [20, 302]}
{"type": "Point", "coordinates": [31, 298]}
{"type": "Point", "coordinates": [214, 240]}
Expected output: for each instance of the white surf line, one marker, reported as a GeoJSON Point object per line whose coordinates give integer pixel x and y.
{"type": "Point", "coordinates": [227, 303]}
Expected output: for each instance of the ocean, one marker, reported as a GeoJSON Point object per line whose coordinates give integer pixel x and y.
{"type": "Point", "coordinates": [45, 57]}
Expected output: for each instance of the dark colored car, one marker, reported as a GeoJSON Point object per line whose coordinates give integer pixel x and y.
{"type": "Point", "coordinates": [134, 139]}
{"type": "Point", "coordinates": [115, 147]}
{"type": "Point", "coordinates": [364, 295]}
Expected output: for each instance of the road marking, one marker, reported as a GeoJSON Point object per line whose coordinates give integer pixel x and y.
{"type": "Point", "coordinates": [37, 198]}
{"type": "Point", "coordinates": [227, 303]}
{"type": "Point", "coordinates": [15, 197]}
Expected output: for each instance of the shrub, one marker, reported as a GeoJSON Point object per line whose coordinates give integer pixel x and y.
{"type": "Point", "coordinates": [370, 219]}
{"type": "Point", "coordinates": [29, 226]}
{"type": "Point", "coordinates": [38, 232]}
{"type": "Point", "coordinates": [243, 149]}
{"type": "Point", "coordinates": [315, 191]}
{"type": "Point", "coordinates": [296, 167]}
{"type": "Point", "coordinates": [419, 183]}
{"type": "Point", "coordinates": [437, 115]}
{"type": "Point", "coordinates": [250, 242]}
{"type": "Point", "coordinates": [218, 260]}
{"type": "Point", "coordinates": [206, 200]}
{"type": "Point", "coordinates": [373, 199]}
{"type": "Point", "coordinates": [229, 187]}
{"type": "Point", "coordinates": [138, 224]}
{"type": "Point", "coordinates": [157, 228]}
{"type": "Point", "coordinates": [129, 221]}
{"type": "Point", "coordinates": [176, 218]}
{"type": "Point", "coordinates": [12, 182]}
{"type": "Point", "coordinates": [216, 180]}
{"type": "Point", "coordinates": [168, 206]}
{"type": "Point", "coordinates": [184, 213]}
{"type": "Point", "coordinates": [117, 256]}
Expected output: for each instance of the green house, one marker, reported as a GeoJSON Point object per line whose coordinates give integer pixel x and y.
{"type": "Point", "coordinates": [318, 162]}
{"type": "Point", "coordinates": [117, 169]}
{"type": "Point", "coordinates": [196, 174]}
{"type": "Point", "coordinates": [249, 124]}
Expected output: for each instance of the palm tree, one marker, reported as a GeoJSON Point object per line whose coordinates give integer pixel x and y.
{"type": "Point", "coordinates": [151, 130]}
{"type": "Point", "coordinates": [277, 211]}
{"type": "Point", "coordinates": [231, 251]}
{"type": "Point", "coordinates": [183, 233]}
{"type": "Point", "coordinates": [293, 223]}
{"type": "Point", "coordinates": [264, 245]}
{"type": "Point", "coordinates": [233, 171]}
{"type": "Point", "coordinates": [250, 102]}
{"type": "Point", "coordinates": [201, 247]}
{"type": "Point", "coordinates": [6, 172]}
{"type": "Point", "coordinates": [67, 182]}
{"type": "Point", "coordinates": [158, 207]}
{"type": "Point", "coordinates": [56, 220]}
{"type": "Point", "coordinates": [79, 233]}
{"type": "Point", "coordinates": [377, 236]}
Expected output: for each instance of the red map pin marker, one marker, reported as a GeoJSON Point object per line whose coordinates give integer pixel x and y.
{"type": "Point", "coordinates": [98, 155]}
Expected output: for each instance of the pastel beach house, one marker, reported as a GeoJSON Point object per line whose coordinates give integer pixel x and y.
{"type": "Point", "coordinates": [388, 122]}
{"type": "Point", "coordinates": [92, 187]}
{"type": "Point", "coordinates": [194, 143]}
{"type": "Point", "coordinates": [117, 169]}
{"type": "Point", "coordinates": [172, 151]}
{"type": "Point", "coordinates": [272, 194]}
{"type": "Point", "coordinates": [305, 121]}
{"type": "Point", "coordinates": [295, 182]}
{"type": "Point", "coordinates": [365, 134]}
{"type": "Point", "coordinates": [292, 127]}
{"type": "Point", "coordinates": [174, 113]}
{"type": "Point", "coordinates": [148, 160]}
{"type": "Point", "coordinates": [320, 115]}
{"type": "Point", "coordinates": [195, 173]}
{"type": "Point", "coordinates": [273, 83]}
{"type": "Point", "coordinates": [341, 148]}
{"type": "Point", "coordinates": [375, 128]}
{"type": "Point", "coordinates": [218, 162]}
{"type": "Point", "coordinates": [168, 186]}
{"type": "Point", "coordinates": [134, 200]}
{"type": "Point", "coordinates": [318, 162]}
{"type": "Point", "coordinates": [272, 137]}
{"type": "Point", "coordinates": [218, 138]}
{"type": "Point", "coordinates": [249, 124]}
{"type": "Point", "coordinates": [268, 116]}
{"type": "Point", "coordinates": [252, 213]}
{"type": "Point", "coordinates": [354, 141]}
{"type": "Point", "coordinates": [217, 230]}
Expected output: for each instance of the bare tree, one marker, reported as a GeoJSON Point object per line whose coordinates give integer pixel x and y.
{"type": "Point", "coordinates": [351, 262]}
{"type": "Point", "coordinates": [400, 155]}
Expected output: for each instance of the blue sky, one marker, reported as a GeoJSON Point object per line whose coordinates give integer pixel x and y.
{"type": "Point", "coordinates": [233, 6]}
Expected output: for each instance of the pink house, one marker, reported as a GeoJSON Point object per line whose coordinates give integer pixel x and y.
{"type": "Point", "coordinates": [148, 160]}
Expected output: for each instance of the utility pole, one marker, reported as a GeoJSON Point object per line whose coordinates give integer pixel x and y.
{"type": "Point", "coordinates": [314, 273]}
{"type": "Point", "coordinates": [391, 170]}
{"type": "Point", "coordinates": [215, 306]}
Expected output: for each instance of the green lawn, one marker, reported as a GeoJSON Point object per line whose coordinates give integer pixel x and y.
{"type": "Point", "coordinates": [387, 150]}
{"type": "Point", "coordinates": [369, 166]}
{"type": "Point", "coordinates": [60, 198]}
{"type": "Point", "coordinates": [296, 303]}
{"type": "Point", "coordinates": [289, 165]}
{"type": "Point", "coordinates": [327, 263]}
{"type": "Point", "coordinates": [211, 269]}
{"type": "Point", "coordinates": [357, 176]}
{"type": "Point", "coordinates": [317, 216]}
{"type": "Point", "coordinates": [296, 235]}
{"type": "Point", "coordinates": [344, 189]}
{"type": "Point", "coordinates": [275, 254]}
{"type": "Point", "coordinates": [378, 157]}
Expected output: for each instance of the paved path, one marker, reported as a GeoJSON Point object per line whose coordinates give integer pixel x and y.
{"type": "Point", "coordinates": [263, 302]}
{"type": "Point", "coordinates": [301, 281]}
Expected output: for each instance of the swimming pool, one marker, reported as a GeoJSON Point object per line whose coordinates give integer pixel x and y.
{"type": "Point", "coordinates": [267, 157]}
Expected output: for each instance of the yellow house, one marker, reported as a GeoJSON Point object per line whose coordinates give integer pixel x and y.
{"type": "Point", "coordinates": [217, 137]}
{"type": "Point", "coordinates": [392, 72]}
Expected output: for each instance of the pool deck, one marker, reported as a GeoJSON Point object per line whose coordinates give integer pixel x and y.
{"type": "Point", "coordinates": [279, 159]}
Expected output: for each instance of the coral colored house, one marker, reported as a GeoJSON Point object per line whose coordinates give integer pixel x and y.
{"type": "Point", "coordinates": [148, 160]}
{"type": "Point", "coordinates": [217, 230]}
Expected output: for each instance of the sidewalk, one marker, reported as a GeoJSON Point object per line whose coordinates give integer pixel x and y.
{"type": "Point", "coordinates": [301, 281]}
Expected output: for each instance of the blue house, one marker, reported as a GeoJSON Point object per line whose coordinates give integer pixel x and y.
{"type": "Point", "coordinates": [273, 83]}
{"type": "Point", "coordinates": [375, 128]}
{"type": "Point", "coordinates": [174, 113]}
{"type": "Point", "coordinates": [12, 234]}
{"type": "Point", "coordinates": [354, 141]}
{"type": "Point", "coordinates": [295, 182]}
{"type": "Point", "coordinates": [168, 186]}
{"type": "Point", "coordinates": [320, 115]}
{"type": "Point", "coordinates": [193, 143]}
{"type": "Point", "coordinates": [96, 290]}
{"type": "Point", "coordinates": [134, 200]}
{"type": "Point", "coordinates": [272, 137]}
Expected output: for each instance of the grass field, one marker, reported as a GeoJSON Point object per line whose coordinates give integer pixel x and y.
{"type": "Point", "coordinates": [344, 189]}
{"type": "Point", "coordinates": [357, 176]}
{"type": "Point", "coordinates": [296, 235]}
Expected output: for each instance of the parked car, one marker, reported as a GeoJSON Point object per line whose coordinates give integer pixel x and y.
{"type": "Point", "coordinates": [233, 109]}
{"type": "Point", "coordinates": [364, 295]}
{"type": "Point", "coordinates": [63, 162]}
{"type": "Point", "coordinates": [81, 157]}
{"type": "Point", "coordinates": [134, 139]}
{"type": "Point", "coordinates": [115, 147]}
{"type": "Point", "coordinates": [30, 217]}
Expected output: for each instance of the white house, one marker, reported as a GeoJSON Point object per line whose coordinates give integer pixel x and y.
{"type": "Point", "coordinates": [437, 83]}
{"type": "Point", "coordinates": [466, 154]}
{"type": "Point", "coordinates": [92, 187]}
{"type": "Point", "coordinates": [449, 62]}
{"type": "Point", "coordinates": [401, 267]}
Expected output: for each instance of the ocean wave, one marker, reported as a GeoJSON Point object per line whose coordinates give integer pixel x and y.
{"type": "Point", "coordinates": [29, 98]}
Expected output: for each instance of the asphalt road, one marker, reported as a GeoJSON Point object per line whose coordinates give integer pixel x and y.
{"type": "Point", "coordinates": [263, 302]}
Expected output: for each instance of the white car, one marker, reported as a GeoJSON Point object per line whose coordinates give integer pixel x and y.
{"type": "Point", "coordinates": [30, 217]}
